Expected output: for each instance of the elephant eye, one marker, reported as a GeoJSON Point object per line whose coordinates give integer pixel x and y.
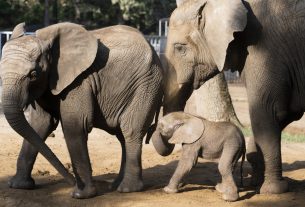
{"type": "Point", "coordinates": [33, 75]}
{"type": "Point", "coordinates": [180, 48]}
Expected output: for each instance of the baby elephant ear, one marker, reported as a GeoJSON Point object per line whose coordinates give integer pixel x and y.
{"type": "Point", "coordinates": [189, 132]}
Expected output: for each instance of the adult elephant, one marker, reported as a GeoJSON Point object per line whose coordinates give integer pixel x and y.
{"type": "Point", "coordinates": [109, 78]}
{"type": "Point", "coordinates": [265, 40]}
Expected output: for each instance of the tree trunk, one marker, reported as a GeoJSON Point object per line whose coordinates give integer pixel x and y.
{"type": "Point", "coordinates": [46, 13]}
{"type": "Point", "coordinates": [213, 101]}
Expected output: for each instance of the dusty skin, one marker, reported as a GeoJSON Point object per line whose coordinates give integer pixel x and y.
{"type": "Point", "coordinates": [105, 158]}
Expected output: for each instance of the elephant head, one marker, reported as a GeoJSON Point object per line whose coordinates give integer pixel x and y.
{"type": "Point", "coordinates": [176, 128]}
{"type": "Point", "coordinates": [33, 65]}
{"type": "Point", "coordinates": [200, 32]}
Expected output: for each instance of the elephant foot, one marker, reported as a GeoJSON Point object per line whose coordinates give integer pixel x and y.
{"type": "Point", "coordinates": [274, 187]}
{"type": "Point", "coordinates": [228, 192]}
{"type": "Point", "coordinates": [170, 190]}
{"type": "Point", "coordinates": [19, 182]}
{"type": "Point", "coordinates": [88, 192]}
{"type": "Point", "coordinates": [130, 186]}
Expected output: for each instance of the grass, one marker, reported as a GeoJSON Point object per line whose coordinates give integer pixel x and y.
{"type": "Point", "coordinates": [286, 136]}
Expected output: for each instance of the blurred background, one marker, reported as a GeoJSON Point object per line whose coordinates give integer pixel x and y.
{"type": "Point", "coordinates": [142, 14]}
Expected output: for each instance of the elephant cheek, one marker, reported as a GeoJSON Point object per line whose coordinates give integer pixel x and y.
{"type": "Point", "coordinates": [184, 76]}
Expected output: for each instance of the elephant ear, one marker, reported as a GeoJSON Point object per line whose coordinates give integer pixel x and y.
{"type": "Point", "coordinates": [18, 31]}
{"type": "Point", "coordinates": [222, 18]}
{"type": "Point", "coordinates": [189, 132]}
{"type": "Point", "coordinates": [73, 51]}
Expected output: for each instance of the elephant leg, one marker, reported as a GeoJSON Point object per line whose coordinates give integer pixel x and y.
{"type": "Point", "coordinates": [256, 160]}
{"type": "Point", "coordinates": [132, 180]}
{"type": "Point", "coordinates": [187, 161]}
{"type": "Point", "coordinates": [135, 122]}
{"type": "Point", "coordinates": [43, 123]}
{"type": "Point", "coordinates": [230, 155]}
{"type": "Point", "coordinates": [119, 178]}
{"type": "Point", "coordinates": [76, 136]}
{"type": "Point", "coordinates": [267, 133]}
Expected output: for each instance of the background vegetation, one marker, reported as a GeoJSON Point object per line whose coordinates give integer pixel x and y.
{"type": "Point", "coordinates": [142, 14]}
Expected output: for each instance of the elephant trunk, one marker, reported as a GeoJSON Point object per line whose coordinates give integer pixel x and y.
{"type": "Point", "coordinates": [175, 95]}
{"type": "Point", "coordinates": [162, 147]}
{"type": "Point", "coordinates": [13, 106]}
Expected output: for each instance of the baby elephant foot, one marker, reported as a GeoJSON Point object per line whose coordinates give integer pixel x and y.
{"type": "Point", "coordinates": [130, 186]}
{"type": "Point", "coordinates": [274, 187]}
{"type": "Point", "coordinates": [228, 193]}
{"type": "Point", "coordinates": [20, 182]}
{"type": "Point", "coordinates": [88, 192]}
{"type": "Point", "coordinates": [169, 190]}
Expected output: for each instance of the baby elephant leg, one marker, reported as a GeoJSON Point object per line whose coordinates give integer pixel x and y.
{"type": "Point", "coordinates": [227, 161]}
{"type": "Point", "coordinates": [187, 161]}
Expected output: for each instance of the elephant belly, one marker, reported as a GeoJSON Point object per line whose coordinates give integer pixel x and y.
{"type": "Point", "coordinates": [210, 155]}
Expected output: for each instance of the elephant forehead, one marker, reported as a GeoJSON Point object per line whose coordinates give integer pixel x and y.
{"type": "Point", "coordinates": [26, 47]}
{"type": "Point", "coordinates": [179, 34]}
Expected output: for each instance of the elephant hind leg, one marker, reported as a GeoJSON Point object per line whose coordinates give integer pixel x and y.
{"type": "Point", "coordinates": [227, 161]}
{"type": "Point", "coordinates": [43, 123]}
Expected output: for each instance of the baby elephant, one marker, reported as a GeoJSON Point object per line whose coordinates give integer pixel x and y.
{"type": "Point", "coordinates": [203, 138]}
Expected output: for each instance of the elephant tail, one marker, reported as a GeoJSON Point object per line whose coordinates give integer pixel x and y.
{"type": "Point", "coordinates": [241, 168]}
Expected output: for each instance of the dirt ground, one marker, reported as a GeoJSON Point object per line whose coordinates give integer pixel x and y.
{"type": "Point", "coordinates": [105, 158]}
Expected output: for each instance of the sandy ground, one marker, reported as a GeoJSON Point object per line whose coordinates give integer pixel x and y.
{"type": "Point", "coordinates": [105, 155]}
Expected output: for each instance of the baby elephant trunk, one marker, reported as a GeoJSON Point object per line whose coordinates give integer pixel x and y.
{"type": "Point", "coordinates": [161, 144]}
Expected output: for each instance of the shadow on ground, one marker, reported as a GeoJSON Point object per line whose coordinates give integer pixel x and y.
{"type": "Point", "coordinates": [53, 191]}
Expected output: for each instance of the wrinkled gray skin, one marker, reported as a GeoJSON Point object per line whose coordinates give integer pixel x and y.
{"type": "Point", "coordinates": [200, 137]}
{"type": "Point", "coordinates": [109, 78]}
{"type": "Point", "coordinates": [263, 39]}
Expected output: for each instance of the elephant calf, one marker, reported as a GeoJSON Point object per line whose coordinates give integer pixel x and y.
{"type": "Point", "coordinates": [203, 138]}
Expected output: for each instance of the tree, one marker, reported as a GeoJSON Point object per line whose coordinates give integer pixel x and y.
{"type": "Point", "coordinates": [213, 101]}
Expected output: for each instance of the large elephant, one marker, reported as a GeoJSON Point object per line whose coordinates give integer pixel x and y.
{"type": "Point", "coordinates": [109, 78]}
{"type": "Point", "coordinates": [265, 41]}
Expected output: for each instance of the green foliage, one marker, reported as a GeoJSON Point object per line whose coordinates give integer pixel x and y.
{"type": "Point", "coordinates": [286, 136]}
{"type": "Point", "coordinates": [142, 14]}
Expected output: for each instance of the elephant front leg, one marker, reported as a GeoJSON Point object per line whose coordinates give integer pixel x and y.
{"type": "Point", "coordinates": [119, 178]}
{"type": "Point", "coordinates": [267, 135]}
{"type": "Point", "coordinates": [187, 161]}
{"type": "Point", "coordinates": [132, 175]}
{"type": "Point", "coordinates": [43, 123]}
{"type": "Point", "coordinates": [76, 138]}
